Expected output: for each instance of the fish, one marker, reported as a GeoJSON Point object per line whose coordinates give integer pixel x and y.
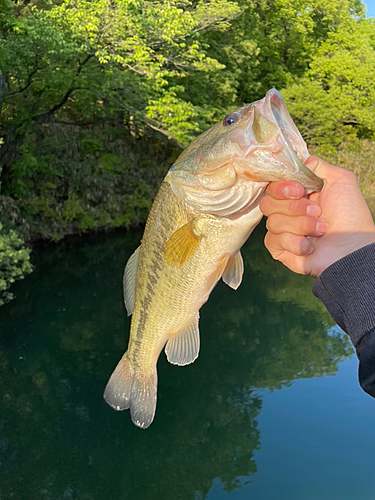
{"type": "Point", "coordinates": [205, 210]}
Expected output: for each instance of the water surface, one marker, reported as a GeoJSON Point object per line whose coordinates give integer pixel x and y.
{"type": "Point", "coordinates": [270, 410]}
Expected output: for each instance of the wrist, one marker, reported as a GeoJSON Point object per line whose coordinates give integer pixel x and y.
{"type": "Point", "coordinates": [347, 289]}
{"type": "Point", "coordinates": [341, 246]}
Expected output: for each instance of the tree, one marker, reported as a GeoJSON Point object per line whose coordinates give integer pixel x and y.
{"type": "Point", "coordinates": [89, 88]}
{"type": "Point", "coordinates": [84, 60]}
{"type": "Point", "coordinates": [14, 262]}
{"type": "Point", "coordinates": [271, 44]}
{"type": "Point", "coordinates": [334, 101]}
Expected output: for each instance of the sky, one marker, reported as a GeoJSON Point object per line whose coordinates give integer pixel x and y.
{"type": "Point", "coordinates": [370, 4]}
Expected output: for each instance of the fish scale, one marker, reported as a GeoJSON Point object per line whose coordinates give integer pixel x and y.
{"type": "Point", "coordinates": [203, 213]}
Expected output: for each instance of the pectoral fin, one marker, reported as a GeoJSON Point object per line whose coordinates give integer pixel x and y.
{"type": "Point", "coordinates": [183, 348]}
{"type": "Point", "coordinates": [233, 272]}
{"type": "Point", "coordinates": [129, 281]}
{"type": "Point", "coordinates": [182, 245]}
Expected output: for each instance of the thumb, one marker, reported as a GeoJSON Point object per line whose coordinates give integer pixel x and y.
{"type": "Point", "coordinates": [312, 163]}
{"type": "Point", "coordinates": [321, 168]}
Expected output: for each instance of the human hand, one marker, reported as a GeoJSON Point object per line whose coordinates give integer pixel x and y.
{"type": "Point", "coordinates": [308, 233]}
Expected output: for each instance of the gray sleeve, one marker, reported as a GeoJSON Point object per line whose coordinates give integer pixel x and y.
{"type": "Point", "coordinates": [347, 289]}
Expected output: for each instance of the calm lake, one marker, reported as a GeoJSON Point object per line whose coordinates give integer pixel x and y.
{"type": "Point", "coordinates": [271, 410]}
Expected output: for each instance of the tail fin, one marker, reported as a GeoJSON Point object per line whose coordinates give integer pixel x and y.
{"type": "Point", "coordinates": [130, 389]}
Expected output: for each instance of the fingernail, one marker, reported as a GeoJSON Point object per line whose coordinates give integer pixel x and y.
{"type": "Point", "coordinates": [313, 210]}
{"type": "Point", "coordinates": [292, 192]}
{"type": "Point", "coordinates": [321, 227]}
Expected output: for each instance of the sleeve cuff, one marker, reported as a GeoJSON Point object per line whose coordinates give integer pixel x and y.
{"type": "Point", "coordinates": [347, 289]}
{"type": "Point", "coordinates": [366, 356]}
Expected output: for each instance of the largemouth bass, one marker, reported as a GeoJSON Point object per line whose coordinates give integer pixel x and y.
{"type": "Point", "coordinates": [206, 208]}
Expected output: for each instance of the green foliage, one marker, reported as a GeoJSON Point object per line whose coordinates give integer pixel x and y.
{"type": "Point", "coordinates": [162, 63]}
{"type": "Point", "coordinates": [173, 114]}
{"type": "Point", "coordinates": [333, 102]}
{"type": "Point", "coordinates": [97, 96]}
{"type": "Point", "coordinates": [360, 160]}
{"type": "Point", "coordinates": [83, 60]}
{"type": "Point", "coordinates": [100, 180]}
{"type": "Point", "coordinates": [271, 44]}
{"type": "Point", "coordinates": [14, 262]}
{"type": "Point", "coordinates": [101, 65]}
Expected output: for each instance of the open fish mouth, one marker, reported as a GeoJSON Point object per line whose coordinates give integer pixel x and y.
{"type": "Point", "coordinates": [228, 167]}
{"type": "Point", "coordinates": [290, 135]}
{"type": "Point", "coordinates": [273, 148]}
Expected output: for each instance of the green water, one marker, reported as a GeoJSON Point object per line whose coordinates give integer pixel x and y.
{"type": "Point", "coordinates": [256, 416]}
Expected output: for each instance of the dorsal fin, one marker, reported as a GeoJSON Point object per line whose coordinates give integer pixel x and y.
{"type": "Point", "coordinates": [183, 347]}
{"type": "Point", "coordinates": [130, 273]}
{"type": "Point", "coordinates": [233, 272]}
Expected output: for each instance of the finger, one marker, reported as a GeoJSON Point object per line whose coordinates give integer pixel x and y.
{"type": "Point", "coordinates": [297, 263]}
{"type": "Point", "coordinates": [322, 168]}
{"type": "Point", "coordinates": [285, 190]}
{"type": "Point", "coordinates": [312, 162]}
{"type": "Point", "coordinates": [303, 206]}
{"type": "Point", "coordinates": [302, 225]}
{"type": "Point", "coordinates": [297, 245]}
{"type": "Point", "coordinates": [332, 174]}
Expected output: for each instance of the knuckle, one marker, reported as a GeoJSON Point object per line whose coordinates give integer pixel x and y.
{"type": "Point", "coordinates": [263, 205]}
{"type": "Point", "coordinates": [303, 246]}
{"type": "Point", "coordinates": [270, 188]}
{"type": "Point", "coordinates": [271, 243]}
{"type": "Point", "coordinates": [297, 245]}
{"type": "Point", "coordinates": [277, 255]}
{"type": "Point", "coordinates": [271, 223]}
{"type": "Point", "coordinates": [291, 243]}
{"type": "Point", "coordinates": [267, 242]}
{"type": "Point", "coordinates": [307, 225]}
{"type": "Point", "coordinates": [350, 176]}
{"type": "Point", "coordinates": [295, 206]}
{"type": "Point", "coordinates": [274, 189]}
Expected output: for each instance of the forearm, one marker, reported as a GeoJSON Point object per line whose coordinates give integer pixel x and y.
{"type": "Point", "coordinates": [347, 289]}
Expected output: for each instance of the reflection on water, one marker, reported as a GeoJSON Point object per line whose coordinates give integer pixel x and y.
{"type": "Point", "coordinates": [63, 335]}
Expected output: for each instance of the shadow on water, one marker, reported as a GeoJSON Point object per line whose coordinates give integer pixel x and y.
{"type": "Point", "coordinates": [63, 335]}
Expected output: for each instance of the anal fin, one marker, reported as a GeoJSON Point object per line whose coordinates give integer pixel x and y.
{"type": "Point", "coordinates": [183, 347]}
{"type": "Point", "coordinates": [233, 272]}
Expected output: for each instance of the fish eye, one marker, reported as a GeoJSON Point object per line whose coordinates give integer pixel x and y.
{"type": "Point", "coordinates": [230, 119]}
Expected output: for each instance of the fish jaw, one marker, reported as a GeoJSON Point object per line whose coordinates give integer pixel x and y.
{"type": "Point", "coordinates": [261, 146]}
{"type": "Point", "coordinates": [275, 149]}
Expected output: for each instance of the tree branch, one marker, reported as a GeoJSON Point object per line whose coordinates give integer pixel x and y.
{"type": "Point", "coordinates": [28, 81]}
{"type": "Point", "coordinates": [203, 26]}
{"type": "Point", "coordinates": [67, 93]}
{"type": "Point", "coordinates": [80, 124]}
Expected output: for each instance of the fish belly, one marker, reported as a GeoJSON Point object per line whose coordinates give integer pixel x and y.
{"type": "Point", "coordinates": [168, 297]}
